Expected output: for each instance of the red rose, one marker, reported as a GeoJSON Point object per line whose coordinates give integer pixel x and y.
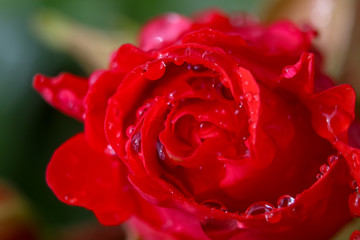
{"type": "Point", "coordinates": [215, 128]}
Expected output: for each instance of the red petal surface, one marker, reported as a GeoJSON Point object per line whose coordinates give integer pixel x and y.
{"type": "Point", "coordinates": [333, 112]}
{"type": "Point", "coordinates": [65, 92]}
{"type": "Point", "coordinates": [103, 86]}
{"type": "Point", "coordinates": [163, 31]}
{"type": "Point", "coordinates": [80, 176]}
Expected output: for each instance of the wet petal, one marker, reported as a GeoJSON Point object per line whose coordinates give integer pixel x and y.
{"type": "Point", "coordinates": [261, 147]}
{"type": "Point", "coordinates": [65, 92]}
{"type": "Point", "coordinates": [333, 112]}
{"type": "Point", "coordinates": [103, 86]}
{"type": "Point", "coordinates": [80, 176]}
{"type": "Point", "coordinates": [127, 57]}
{"type": "Point", "coordinates": [163, 31]}
{"type": "Point", "coordinates": [299, 78]}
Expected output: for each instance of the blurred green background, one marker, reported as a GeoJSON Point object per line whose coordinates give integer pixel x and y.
{"type": "Point", "coordinates": [30, 130]}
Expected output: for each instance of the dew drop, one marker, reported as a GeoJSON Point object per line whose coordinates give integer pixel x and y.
{"type": "Point", "coordinates": [69, 199]}
{"type": "Point", "coordinates": [155, 70]}
{"type": "Point", "coordinates": [249, 96]}
{"type": "Point", "coordinates": [136, 142]}
{"type": "Point", "coordinates": [213, 204]}
{"type": "Point", "coordinates": [354, 204]}
{"type": "Point", "coordinates": [178, 61]}
{"type": "Point", "coordinates": [197, 67]}
{"type": "Point", "coordinates": [273, 216]}
{"type": "Point", "coordinates": [289, 72]}
{"type": "Point", "coordinates": [355, 159]}
{"type": "Point", "coordinates": [160, 150]}
{"type": "Point", "coordinates": [324, 168]}
{"type": "Point", "coordinates": [130, 130]}
{"type": "Point", "coordinates": [109, 150]}
{"type": "Point", "coordinates": [285, 201]}
{"type": "Point", "coordinates": [354, 185]}
{"type": "Point", "coordinates": [142, 110]}
{"type": "Point", "coordinates": [318, 176]}
{"type": "Point", "coordinates": [331, 159]}
{"type": "Point", "coordinates": [259, 208]}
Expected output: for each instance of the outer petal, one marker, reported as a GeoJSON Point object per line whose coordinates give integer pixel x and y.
{"type": "Point", "coordinates": [333, 112]}
{"type": "Point", "coordinates": [261, 146]}
{"type": "Point", "coordinates": [299, 78]}
{"type": "Point", "coordinates": [163, 31]}
{"type": "Point", "coordinates": [80, 176]}
{"type": "Point", "coordinates": [127, 57]}
{"type": "Point", "coordinates": [103, 86]}
{"type": "Point", "coordinates": [65, 92]}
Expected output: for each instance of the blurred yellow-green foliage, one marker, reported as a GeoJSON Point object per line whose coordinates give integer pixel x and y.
{"type": "Point", "coordinates": [30, 130]}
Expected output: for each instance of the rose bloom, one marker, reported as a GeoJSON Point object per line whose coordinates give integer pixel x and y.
{"type": "Point", "coordinates": [216, 127]}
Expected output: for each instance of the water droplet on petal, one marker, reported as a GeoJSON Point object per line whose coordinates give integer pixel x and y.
{"type": "Point", "coordinates": [136, 142]}
{"type": "Point", "coordinates": [178, 61]}
{"type": "Point", "coordinates": [69, 199]}
{"type": "Point", "coordinates": [130, 130]}
{"type": "Point", "coordinates": [273, 216]}
{"type": "Point", "coordinates": [197, 67]}
{"type": "Point", "coordinates": [109, 150]}
{"type": "Point", "coordinates": [142, 110]}
{"type": "Point", "coordinates": [285, 201]}
{"type": "Point", "coordinates": [331, 159]}
{"type": "Point", "coordinates": [324, 168]}
{"type": "Point", "coordinates": [354, 185]}
{"type": "Point", "coordinates": [213, 204]}
{"type": "Point", "coordinates": [249, 96]}
{"type": "Point", "coordinates": [289, 72]}
{"type": "Point", "coordinates": [259, 208]}
{"type": "Point", "coordinates": [160, 150]}
{"type": "Point", "coordinates": [355, 159]}
{"type": "Point", "coordinates": [155, 70]}
{"type": "Point", "coordinates": [318, 176]}
{"type": "Point", "coordinates": [354, 204]}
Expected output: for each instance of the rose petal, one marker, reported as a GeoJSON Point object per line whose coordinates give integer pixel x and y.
{"type": "Point", "coordinates": [299, 78]}
{"type": "Point", "coordinates": [65, 92]}
{"type": "Point", "coordinates": [213, 18]}
{"type": "Point", "coordinates": [127, 57]}
{"type": "Point", "coordinates": [80, 176]}
{"type": "Point", "coordinates": [163, 31]}
{"type": "Point", "coordinates": [103, 86]}
{"type": "Point", "coordinates": [261, 147]}
{"type": "Point", "coordinates": [333, 112]}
